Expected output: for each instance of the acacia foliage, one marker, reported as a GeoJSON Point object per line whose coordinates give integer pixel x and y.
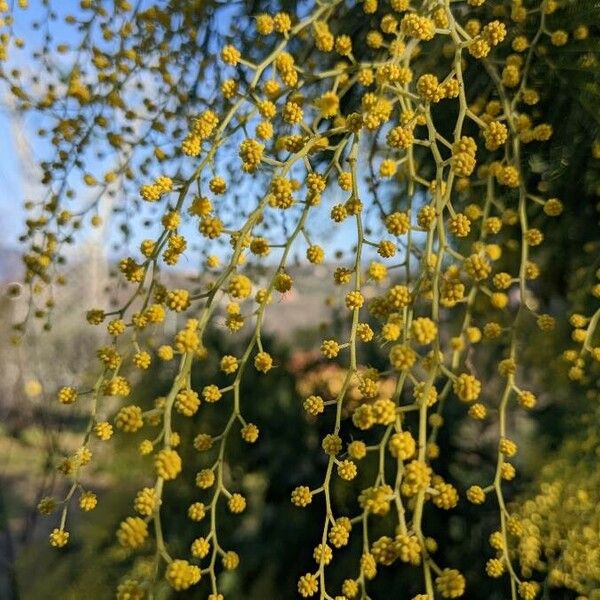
{"type": "Point", "coordinates": [425, 134]}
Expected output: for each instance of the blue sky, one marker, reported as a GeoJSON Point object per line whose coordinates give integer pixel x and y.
{"type": "Point", "coordinates": [10, 183]}
{"type": "Point", "coordinates": [15, 183]}
{"type": "Point", "coordinates": [18, 185]}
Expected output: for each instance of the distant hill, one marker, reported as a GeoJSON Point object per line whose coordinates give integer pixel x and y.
{"type": "Point", "coordinates": [311, 288]}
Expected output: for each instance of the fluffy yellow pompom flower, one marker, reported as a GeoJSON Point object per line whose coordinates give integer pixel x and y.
{"type": "Point", "coordinates": [167, 464]}
{"type": "Point", "coordinates": [467, 387]}
{"type": "Point", "coordinates": [263, 362]}
{"type": "Point", "coordinates": [450, 583]}
{"type": "Point", "coordinates": [328, 104]}
{"type": "Point", "coordinates": [181, 575]}
{"type": "Point", "coordinates": [308, 585]}
{"type": "Point", "coordinates": [59, 538]}
{"type": "Point", "coordinates": [132, 532]}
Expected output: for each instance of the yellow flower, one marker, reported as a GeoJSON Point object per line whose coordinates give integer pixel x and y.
{"type": "Point", "coordinates": [132, 532]}
{"type": "Point", "coordinates": [59, 538]}
{"type": "Point", "coordinates": [328, 104]}
{"type": "Point", "coordinates": [181, 575]}
{"type": "Point", "coordinates": [167, 464]}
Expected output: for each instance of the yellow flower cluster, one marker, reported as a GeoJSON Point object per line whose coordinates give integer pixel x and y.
{"type": "Point", "coordinates": [556, 530]}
